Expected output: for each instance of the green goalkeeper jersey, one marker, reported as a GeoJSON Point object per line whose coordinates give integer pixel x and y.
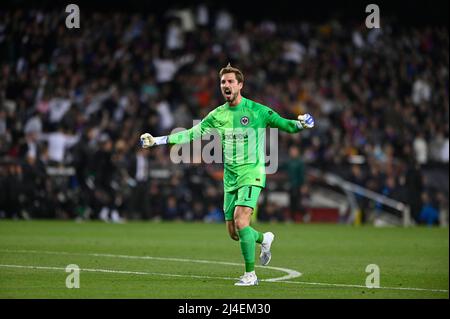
{"type": "Point", "coordinates": [242, 129]}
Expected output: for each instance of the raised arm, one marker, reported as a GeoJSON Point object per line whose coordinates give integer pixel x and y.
{"type": "Point", "coordinates": [197, 131]}
{"type": "Point", "coordinates": [291, 126]}
{"type": "Point", "coordinates": [186, 136]}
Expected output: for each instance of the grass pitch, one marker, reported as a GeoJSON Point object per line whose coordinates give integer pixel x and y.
{"type": "Point", "coordinates": [197, 260]}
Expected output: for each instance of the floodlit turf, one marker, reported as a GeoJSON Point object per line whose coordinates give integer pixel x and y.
{"type": "Point", "coordinates": [331, 258]}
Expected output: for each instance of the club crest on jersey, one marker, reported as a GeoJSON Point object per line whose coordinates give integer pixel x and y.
{"type": "Point", "coordinates": [244, 120]}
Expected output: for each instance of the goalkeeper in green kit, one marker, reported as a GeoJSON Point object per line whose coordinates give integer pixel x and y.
{"type": "Point", "coordinates": [241, 124]}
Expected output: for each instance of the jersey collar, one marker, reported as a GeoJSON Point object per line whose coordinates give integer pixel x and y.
{"type": "Point", "coordinates": [237, 107]}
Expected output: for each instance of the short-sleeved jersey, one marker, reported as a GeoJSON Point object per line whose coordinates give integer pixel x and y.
{"type": "Point", "coordinates": [242, 129]}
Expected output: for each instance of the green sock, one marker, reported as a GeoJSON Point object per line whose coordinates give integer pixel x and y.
{"type": "Point", "coordinates": [248, 239]}
{"type": "Point", "coordinates": [260, 237]}
{"type": "Point", "coordinates": [247, 242]}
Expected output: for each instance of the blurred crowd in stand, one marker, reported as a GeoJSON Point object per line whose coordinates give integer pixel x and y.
{"type": "Point", "coordinates": [80, 98]}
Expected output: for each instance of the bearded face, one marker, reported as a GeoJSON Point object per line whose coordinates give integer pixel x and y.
{"type": "Point", "coordinates": [230, 87]}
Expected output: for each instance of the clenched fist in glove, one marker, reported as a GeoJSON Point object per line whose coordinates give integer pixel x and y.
{"type": "Point", "coordinates": [147, 140]}
{"type": "Point", "coordinates": [306, 120]}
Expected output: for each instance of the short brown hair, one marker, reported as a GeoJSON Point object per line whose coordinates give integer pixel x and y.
{"type": "Point", "coordinates": [230, 69]}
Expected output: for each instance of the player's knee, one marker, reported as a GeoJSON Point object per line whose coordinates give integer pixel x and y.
{"type": "Point", "coordinates": [241, 222]}
{"type": "Point", "coordinates": [242, 217]}
{"type": "Point", "coordinates": [238, 223]}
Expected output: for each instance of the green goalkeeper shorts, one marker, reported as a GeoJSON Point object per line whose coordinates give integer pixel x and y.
{"type": "Point", "coordinates": [244, 196]}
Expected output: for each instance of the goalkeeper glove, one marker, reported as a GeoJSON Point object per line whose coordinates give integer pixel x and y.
{"type": "Point", "coordinates": [147, 140]}
{"type": "Point", "coordinates": [306, 120]}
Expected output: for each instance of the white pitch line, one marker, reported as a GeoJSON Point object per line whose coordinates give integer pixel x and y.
{"type": "Point", "coordinates": [361, 286]}
{"type": "Point", "coordinates": [117, 272]}
{"type": "Point", "coordinates": [213, 277]}
{"type": "Point", "coordinates": [291, 274]}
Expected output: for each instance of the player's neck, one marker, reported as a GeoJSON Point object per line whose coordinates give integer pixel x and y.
{"type": "Point", "coordinates": [236, 101]}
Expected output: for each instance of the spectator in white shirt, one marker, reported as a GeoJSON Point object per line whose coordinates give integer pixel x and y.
{"type": "Point", "coordinates": [202, 15]}
{"type": "Point", "coordinates": [174, 36]}
{"type": "Point", "coordinates": [58, 143]}
{"type": "Point", "coordinates": [420, 149]}
{"type": "Point", "coordinates": [224, 21]}
{"type": "Point", "coordinates": [421, 91]}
